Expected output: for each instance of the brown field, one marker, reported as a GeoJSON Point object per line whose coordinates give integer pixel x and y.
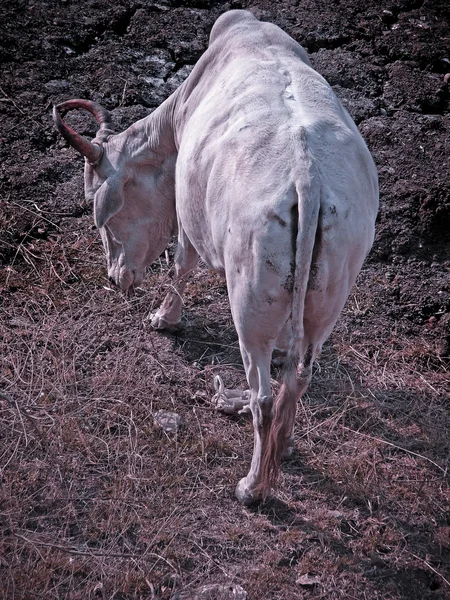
{"type": "Point", "coordinates": [96, 501]}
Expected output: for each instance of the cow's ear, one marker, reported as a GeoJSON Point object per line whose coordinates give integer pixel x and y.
{"type": "Point", "coordinates": [108, 200]}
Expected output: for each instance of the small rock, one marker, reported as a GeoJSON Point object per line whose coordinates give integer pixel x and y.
{"type": "Point", "coordinates": [308, 580]}
{"type": "Point", "coordinates": [155, 82]}
{"type": "Point", "coordinates": [169, 422]}
{"type": "Point", "coordinates": [215, 591]}
{"type": "Point", "coordinates": [230, 401]}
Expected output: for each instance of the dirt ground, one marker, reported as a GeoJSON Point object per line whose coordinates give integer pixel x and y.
{"type": "Point", "coordinates": [95, 500]}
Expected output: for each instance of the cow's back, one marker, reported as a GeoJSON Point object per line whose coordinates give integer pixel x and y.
{"type": "Point", "coordinates": [252, 118]}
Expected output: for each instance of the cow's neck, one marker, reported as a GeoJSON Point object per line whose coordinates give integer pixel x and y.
{"type": "Point", "coordinates": [151, 140]}
{"type": "Point", "coordinates": [159, 130]}
{"type": "Point", "coordinates": [149, 149]}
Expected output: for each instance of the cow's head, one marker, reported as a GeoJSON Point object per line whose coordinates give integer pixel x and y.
{"type": "Point", "coordinates": [132, 192]}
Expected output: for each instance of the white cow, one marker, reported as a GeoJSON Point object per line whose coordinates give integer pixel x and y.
{"type": "Point", "coordinates": [265, 176]}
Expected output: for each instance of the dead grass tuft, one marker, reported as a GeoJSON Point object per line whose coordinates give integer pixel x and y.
{"type": "Point", "coordinates": [98, 503]}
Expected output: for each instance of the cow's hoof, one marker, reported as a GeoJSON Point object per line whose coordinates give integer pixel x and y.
{"type": "Point", "coordinates": [232, 402]}
{"type": "Point", "coordinates": [159, 322]}
{"type": "Point", "coordinates": [246, 494]}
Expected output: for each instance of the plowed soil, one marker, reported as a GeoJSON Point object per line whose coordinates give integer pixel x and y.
{"type": "Point", "coordinates": [95, 500]}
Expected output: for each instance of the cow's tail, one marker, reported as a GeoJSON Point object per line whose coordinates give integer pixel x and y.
{"type": "Point", "coordinates": [285, 403]}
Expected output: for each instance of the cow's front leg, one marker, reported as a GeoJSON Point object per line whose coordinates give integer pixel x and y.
{"type": "Point", "coordinates": [168, 315]}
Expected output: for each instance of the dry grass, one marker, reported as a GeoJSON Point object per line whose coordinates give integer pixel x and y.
{"type": "Point", "coordinates": [97, 503]}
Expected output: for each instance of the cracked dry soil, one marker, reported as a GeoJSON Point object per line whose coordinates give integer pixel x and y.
{"type": "Point", "coordinates": [97, 503]}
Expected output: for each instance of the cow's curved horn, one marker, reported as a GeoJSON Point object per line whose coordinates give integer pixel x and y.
{"type": "Point", "coordinates": [93, 152]}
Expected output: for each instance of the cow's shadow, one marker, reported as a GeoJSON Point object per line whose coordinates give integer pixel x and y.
{"type": "Point", "coordinates": [213, 346]}
{"type": "Point", "coordinates": [343, 407]}
{"type": "Point", "coordinates": [204, 341]}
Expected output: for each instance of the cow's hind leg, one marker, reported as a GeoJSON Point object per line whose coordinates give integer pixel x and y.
{"type": "Point", "coordinates": [296, 376]}
{"type": "Point", "coordinates": [258, 325]}
{"type": "Point", "coordinates": [236, 402]}
{"type": "Point", "coordinates": [257, 366]}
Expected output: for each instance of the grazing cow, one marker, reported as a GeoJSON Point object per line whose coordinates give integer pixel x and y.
{"type": "Point", "coordinates": [265, 176]}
